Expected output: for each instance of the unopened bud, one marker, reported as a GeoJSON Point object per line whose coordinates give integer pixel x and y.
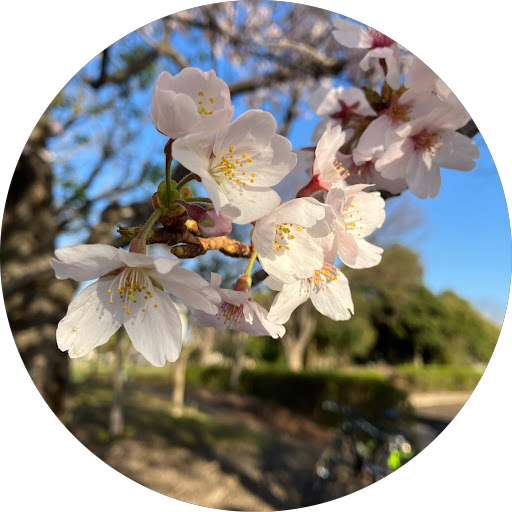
{"type": "Point", "coordinates": [209, 223]}
{"type": "Point", "coordinates": [162, 199]}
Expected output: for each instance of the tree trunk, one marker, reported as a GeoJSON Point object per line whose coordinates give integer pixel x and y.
{"type": "Point", "coordinates": [180, 372]}
{"type": "Point", "coordinates": [205, 340]}
{"type": "Point", "coordinates": [116, 423]}
{"type": "Point", "coordinates": [299, 330]}
{"type": "Point", "coordinates": [35, 301]}
{"type": "Point", "coordinates": [240, 339]}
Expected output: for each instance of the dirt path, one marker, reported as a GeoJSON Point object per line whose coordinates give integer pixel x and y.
{"type": "Point", "coordinates": [226, 451]}
{"type": "Point", "coordinates": [442, 405]}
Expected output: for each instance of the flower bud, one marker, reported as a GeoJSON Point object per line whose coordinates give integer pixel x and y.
{"type": "Point", "coordinates": [209, 223]}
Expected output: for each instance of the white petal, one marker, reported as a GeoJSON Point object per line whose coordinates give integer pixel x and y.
{"type": "Point", "coordinates": [215, 279]}
{"type": "Point", "coordinates": [273, 283]}
{"type": "Point", "coordinates": [253, 203]}
{"type": "Point", "coordinates": [347, 246]}
{"type": "Point", "coordinates": [90, 320]}
{"type": "Point", "coordinates": [423, 176]}
{"type": "Point", "coordinates": [364, 209]}
{"type": "Point", "coordinates": [249, 133]}
{"type": "Point", "coordinates": [323, 100]}
{"type": "Point", "coordinates": [165, 265]}
{"type": "Point", "coordinates": [271, 165]}
{"type": "Point", "coordinates": [194, 152]}
{"type": "Point", "coordinates": [350, 35]}
{"type": "Point", "coordinates": [395, 160]}
{"type": "Point", "coordinates": [233, 296]}
{"type": "Point", "coordinates": [135, 259]}
{"type": "Point", "coordinates": [304, 211]}
{"type": "Point", "coordinates": [156, 333]}
{"type": "Point", "coordinates": [458, 152]}
{"type": "Point", "coordinates": [85, 262]}
{"type": "Point", "coordinates": [191, 288]}
{"type": "Point", "coordinates": [372, 142]}
{"type": "Point", "coordinates": [259, 324]}
{"type": "Point", "coordinates": [368, 255]}
{"type": "Point", "coordinates": [335, 301]}
{"type": "Point", "coordinates": [300, 261]}
{"type": "Point", "coordinates": [288, 300]}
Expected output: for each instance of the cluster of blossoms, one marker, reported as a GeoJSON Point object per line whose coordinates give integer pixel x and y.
{"type": "Point", "coordinates": [365, 142]}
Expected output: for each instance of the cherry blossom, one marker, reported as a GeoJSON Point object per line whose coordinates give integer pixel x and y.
{"type": "Point", "coordinates": [425, 92]}
{"type": "Point", "coordinates": [346, 106]}
{"type": "Point", "coordinates": [327, 288]}
{"type": "Point", "coordinates": [239, 166]}
{"type": "Point", "coordinates": [239, 312]}
{"type": "Point", "coordinates": [286, 239]}
{"type": "Point", "coordinates": [358, 215]}
{"type": "Point", "coordinates": [380, 46]}
{"type": "Point", "coordinates": [326, 167]}
{"type": "Point", "coordinates": [420, 148]}
{"type": "Point", "coordinates": [129, 292]}
{"type": "Point", "coordinates": [190, 102]}
{"type": "Point", "coordinates": [365, 173]}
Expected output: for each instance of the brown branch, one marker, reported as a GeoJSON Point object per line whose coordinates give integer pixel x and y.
{"type": "Point", "coordinates": [122, 75]}
{"type": "Point", "coordinates": [187, 245]}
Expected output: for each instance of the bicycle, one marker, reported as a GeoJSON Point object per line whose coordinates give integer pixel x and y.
{"type": "Point", "coordinates": [369, 451]}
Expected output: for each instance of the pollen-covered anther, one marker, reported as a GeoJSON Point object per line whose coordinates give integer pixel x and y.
{"type": "Point", "coordinates": [426, 141]}
{"type": "Point", "coordinates": [132, 284]}
{"type": "Point", "coordinates": [283, 232]}
{"type": "Point", "coordinates": [230, 167]}
{"type": "Point", "coordinates": [324, 276]}
{"type": "Point", "coordinates": [201, 109]}
{"type": "Point", "coordinates": [232, 314]}
{"type": "Point", "coordinates": [344, 174]}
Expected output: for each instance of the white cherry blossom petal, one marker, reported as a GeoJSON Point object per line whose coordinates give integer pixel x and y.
{"type": "Point", "coordinates": [288, 300]}
{"type": "Point", "coordinates": [368, 255]}
{"type": "Point", "coordinates": [90, 320]}
{"type": "Point", "coordinates": [190, 102]}
{"type": "Point", "coordinates": [156, 333]}
{"type": "Point", "coordinates": [250, 133]}
{"type": "Point", "coordinates": [252, 203]}
{"type": "Point", "coordinates": [333, 300]}
{"type": "Point", "coordinates": [458, 152]}
{"type": "Point", "coordinates": [260, 324]}
{"type": "Point", "coordinates": [191, 288]}
{"type": "Point", "coordinates": [350, 34]}
{"type": "Point", "coordinates": [85, 262]}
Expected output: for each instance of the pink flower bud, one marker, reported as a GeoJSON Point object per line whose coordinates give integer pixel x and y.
{"type": "Point", "coordinates": [208, 222]}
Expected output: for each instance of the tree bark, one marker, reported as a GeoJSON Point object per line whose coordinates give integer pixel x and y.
{"type": "Point", "coordinates": [180, 371]}
{"type": "Point", "coordinates": [35, 301]}
{"type": "Point", "coordinates": [116, 423]}
{"type": "Point", "coordinates": [299, 330]}
{"type": "Point", "coordinates": [240, 340]}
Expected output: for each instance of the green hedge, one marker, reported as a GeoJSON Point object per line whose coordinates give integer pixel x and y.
{"type": "Point", "coordinates": [434, 377]}
{"type": "Point", "coordinates": [369, 392]}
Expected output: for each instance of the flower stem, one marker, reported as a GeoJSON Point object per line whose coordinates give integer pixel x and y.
{"type": "Point", "coordinates": [168, 162]}
{"type": "Point", "coordinates": [252, 259]}
{"type": "Point", "coordinates": [199, 200]}
{"type": "Point", "coordinates": [244, 282]}
{"type": "Point", "coordinates": [138, 244]}
{"type": "Point", "coordinates": [186, 179]}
